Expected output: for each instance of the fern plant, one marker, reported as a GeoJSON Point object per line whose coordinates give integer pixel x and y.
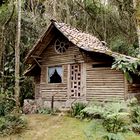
{"type": "Point", "coordinates": [94, 111]}
{"type": "Point", "coordinates": [116, 122]}
{"type": "Point", "coordinates": [116, 117]}
{"type": "Point", "coordinates": [113, 136]}
{"type": "Point", "coordinates": [134, 114]}
{"type": "Point", "coordinates": [76, 109]}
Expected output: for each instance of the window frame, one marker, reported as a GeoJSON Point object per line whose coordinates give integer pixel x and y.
{"type": "Point", "coordinates": [65, 45]}
{"type": "Point", "coordinates": [48, 74]}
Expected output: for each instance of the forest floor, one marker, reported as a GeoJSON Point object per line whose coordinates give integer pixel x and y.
{"type": "Point", "coordinates": [45, 127]}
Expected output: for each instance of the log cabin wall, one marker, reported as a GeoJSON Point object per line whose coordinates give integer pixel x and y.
{"type": "Point", "coordinates": [52, 58]}
{"type": "Point", "coordinates": [103, 83]}
{"type": "Point", "coordinates": [37, 86]}
{"type": "Point", "coordinates": [100, 83]}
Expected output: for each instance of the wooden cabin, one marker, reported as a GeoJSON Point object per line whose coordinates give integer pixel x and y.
{"type": "Point", "coordinates": [75, 66]}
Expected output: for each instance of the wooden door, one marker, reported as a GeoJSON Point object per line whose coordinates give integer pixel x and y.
{"type": "Point", "coordinates": [75, 80]}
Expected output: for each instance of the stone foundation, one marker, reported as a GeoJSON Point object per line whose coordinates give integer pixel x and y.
{"type": "Point", "coordinates": [31, 106]}
{"type": "Point", "coordinates": [57, 104]}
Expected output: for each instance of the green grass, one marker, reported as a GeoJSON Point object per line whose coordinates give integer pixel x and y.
{"type": "Point", "coordinates": [44, 127]}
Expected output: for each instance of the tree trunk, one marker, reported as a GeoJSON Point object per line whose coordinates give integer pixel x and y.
{"type": "Point", "coordinates": [54, 9]}
{"type": "Point", "coordinates": [1, 56]}
{"type": "Point", "coordinates": [17, 55]}
{"type": "Point", "coordinates": [136, 6]}
{"type": "Point", "coordinates": [67, 13]}
{"type": "Point", "coordinates": [1, 45]}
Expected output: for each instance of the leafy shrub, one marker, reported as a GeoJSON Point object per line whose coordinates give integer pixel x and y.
{"type": "Point", "coordinates": [116, 122]}
{"type": "Point", "coordinates": [44, 111]}
{"type": "Point", "coordinates": [115, 115]}
{"type": "Point", "coordinates": [6, 105]}
{"type": "Point", "coordinates": [96, 131]}
{"type": "Point", "coordinates": [135, 114]}
{"type": "Point", "coordinates": [76, 109]}
{"type": "Point", "coordinates": [118, 106]}
{"type": "Point", "coordinates": [132, 102]}
{"type": "Point", "coordinates": [136, 128]}
{"type": "Point", "coordinates": [128, 67]}
{"type": "Point", "coordinates": [11, 124]}
{"type": "Point", "coordinates": [113, 136]}
{"type": "Point", "coordinates": [47, 111]}
{"type": "Point", "coordinates": [94, 111]}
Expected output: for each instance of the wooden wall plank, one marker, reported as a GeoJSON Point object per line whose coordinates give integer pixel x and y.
{"type": "Point", "coordinates": [52, 58]}
{"type": "Point", "coordinates": [104, 83]}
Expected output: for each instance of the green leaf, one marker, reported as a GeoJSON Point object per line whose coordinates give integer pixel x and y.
{"type": "Point", "coordinates": [128, 77]}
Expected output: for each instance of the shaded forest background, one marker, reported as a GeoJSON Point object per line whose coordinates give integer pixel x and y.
{"type": "Point", "coordinates": [114, 21]}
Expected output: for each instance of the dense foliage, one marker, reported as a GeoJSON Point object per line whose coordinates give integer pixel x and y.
{"type": "Point", "coordinates": [47, 111]}
{"type": "Point", "coordinates": [8, 31]}
{"type": "Point", "coordinates": [76, 109]}
{"type": "Point", "coordinates": [10, 122]}
{"type": "Point", "coordinates": [127, 66]}
{"type": "Point", "coordinates": [7, 105]}
{"type": "Point", "coordinates": [114, 115]}
{"type": "Point", "coordinates": [115, 118]}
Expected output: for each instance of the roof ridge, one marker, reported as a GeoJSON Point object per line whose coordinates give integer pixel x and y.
{"type": "Point", "coordinates": [67, 31]}
{"type": "Point", "coordinates": [81, 39]}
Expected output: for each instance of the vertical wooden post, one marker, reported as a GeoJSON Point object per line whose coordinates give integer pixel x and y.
{"type": "Point", "coordinates": [68, 82]}
{"type": "Point", "coordinates": [52, 103]}
{"type": "Point", "coordinates": [83, 80]}
{"type": "Point", "coordinates": [125, 88]}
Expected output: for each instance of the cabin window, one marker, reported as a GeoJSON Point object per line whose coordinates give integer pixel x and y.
{"type": "Point", "coordinates": [55, 74]}
{"type": "Point", "coordinates": [61, 46]}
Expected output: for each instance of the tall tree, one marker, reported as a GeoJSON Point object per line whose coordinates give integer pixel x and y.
{"type": "Point", "coordinates": [136, 4]}
{"type": "Point", "coordinates": [17, 54]}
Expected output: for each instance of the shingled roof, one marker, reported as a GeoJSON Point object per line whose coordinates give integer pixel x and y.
{"type": "Point", "coordinates": [82, 40]}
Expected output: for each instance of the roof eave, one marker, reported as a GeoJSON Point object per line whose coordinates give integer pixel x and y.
{"type": "Point", "coordinates": [53, 24]}
{"type": "Point", "coordinates": [28, 58]}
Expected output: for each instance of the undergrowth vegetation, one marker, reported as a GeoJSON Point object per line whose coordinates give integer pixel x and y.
{"type": "Point", "coordinates": [10, 122]}
{"type": "Point", "coordinates": [47, 111]}
{"type": "Point", "coordinates": [116, 118]}
{"type": "Point", "coordinates": [77, 108]}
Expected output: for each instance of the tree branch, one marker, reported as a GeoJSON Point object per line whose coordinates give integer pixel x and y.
{"type": "Point", "coordinates": [9, 19]}
{"type": "Point", "coordinates": [92, 17]}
